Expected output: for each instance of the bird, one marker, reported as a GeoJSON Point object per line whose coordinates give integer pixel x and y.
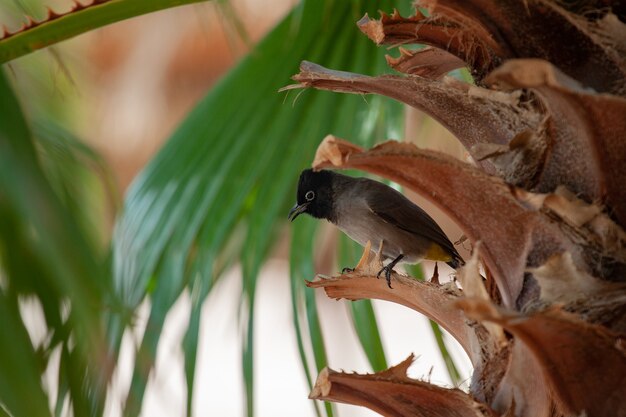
{"type": "Point", "coordinates": [368, 210]}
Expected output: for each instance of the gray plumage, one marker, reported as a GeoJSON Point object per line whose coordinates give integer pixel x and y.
{"type": "Point", "coordinates": [369, 209]}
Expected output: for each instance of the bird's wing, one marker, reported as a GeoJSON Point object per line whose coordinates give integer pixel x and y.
{"type": "Point", "coordinates": [396, 209]}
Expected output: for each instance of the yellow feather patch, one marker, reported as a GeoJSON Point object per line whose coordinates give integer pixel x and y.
{"type": "Point", "coordinates": [437, 253]}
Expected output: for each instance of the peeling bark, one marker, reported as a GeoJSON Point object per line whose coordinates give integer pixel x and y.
{"type": "Point", "coordinates": [586, 133]}
{"type": "Point", "coordinates": [522, 390]}
{"type": "Point", "coordinates": [601, 240]}
{"type": "Point", "coordinates": [592, 357]}
{"type": "Point", "coordinates": [521, 160]}
{"type": "Point", "coordinates": [475, 47]}
{"type": "Point", "coordinates": [561, 282]}
{"type": "Point", "coordinates": [429, 63]}
{"type": "Point", "coordinates": [473, 287]}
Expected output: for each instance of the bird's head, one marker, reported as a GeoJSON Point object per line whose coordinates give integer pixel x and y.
{"type": "Point", "coordinates": [315, 195]}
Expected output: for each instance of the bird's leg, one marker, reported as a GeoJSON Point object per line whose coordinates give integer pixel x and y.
{"type": "Point", "coordinates": [388, 268]}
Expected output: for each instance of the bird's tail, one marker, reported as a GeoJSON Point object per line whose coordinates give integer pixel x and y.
{"type": "Point", "coordinates": [456, 261]}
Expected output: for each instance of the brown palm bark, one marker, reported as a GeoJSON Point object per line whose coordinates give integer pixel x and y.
{"type": "Point", "coordinates": [546, 126]}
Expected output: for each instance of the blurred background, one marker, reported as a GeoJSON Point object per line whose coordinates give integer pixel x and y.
{"type": "Point", "coordinates": [124, 90]}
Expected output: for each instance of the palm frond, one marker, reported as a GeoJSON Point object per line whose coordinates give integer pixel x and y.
{"type": "Point", "coordinates": [229, 171]}
{"type": "Point", "coordinates": [45, 256]}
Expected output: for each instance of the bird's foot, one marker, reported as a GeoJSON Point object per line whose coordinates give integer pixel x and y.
{"type": "Point", "coordinates": [388, 270]}
{"type": "Point", "coordinates": [346, 270]}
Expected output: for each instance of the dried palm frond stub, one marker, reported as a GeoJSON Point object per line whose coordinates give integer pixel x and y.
{"type": "Point", "coordinates": [393, 393]}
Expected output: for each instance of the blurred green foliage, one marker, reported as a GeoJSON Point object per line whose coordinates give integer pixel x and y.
{"type": "Point", "coordinates": [217, 193]}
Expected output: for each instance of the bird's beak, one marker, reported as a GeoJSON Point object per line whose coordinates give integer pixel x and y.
{"type": "Point", "coordinates": [297, 210]}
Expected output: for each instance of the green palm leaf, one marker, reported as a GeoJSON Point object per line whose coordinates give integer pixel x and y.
{"type": "Point", "coordinates": [99, 14]}
{"type": "Point", "coordinates": [45, 256]}
{"type": "Point", "coordinates": [230, 170]}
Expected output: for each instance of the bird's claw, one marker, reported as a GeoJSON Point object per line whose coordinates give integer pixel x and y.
{"type": "Point", "coordinates": [387, 271]}
{"type": "Point", "coordinates": [346, 269]}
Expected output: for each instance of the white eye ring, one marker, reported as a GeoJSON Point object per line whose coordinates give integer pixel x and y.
{"type": "Point", "coordinates": [310, 195]}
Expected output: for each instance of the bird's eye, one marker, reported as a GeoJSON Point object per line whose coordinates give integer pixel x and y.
{"type": "Point", "coordinates": [310, 195]}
